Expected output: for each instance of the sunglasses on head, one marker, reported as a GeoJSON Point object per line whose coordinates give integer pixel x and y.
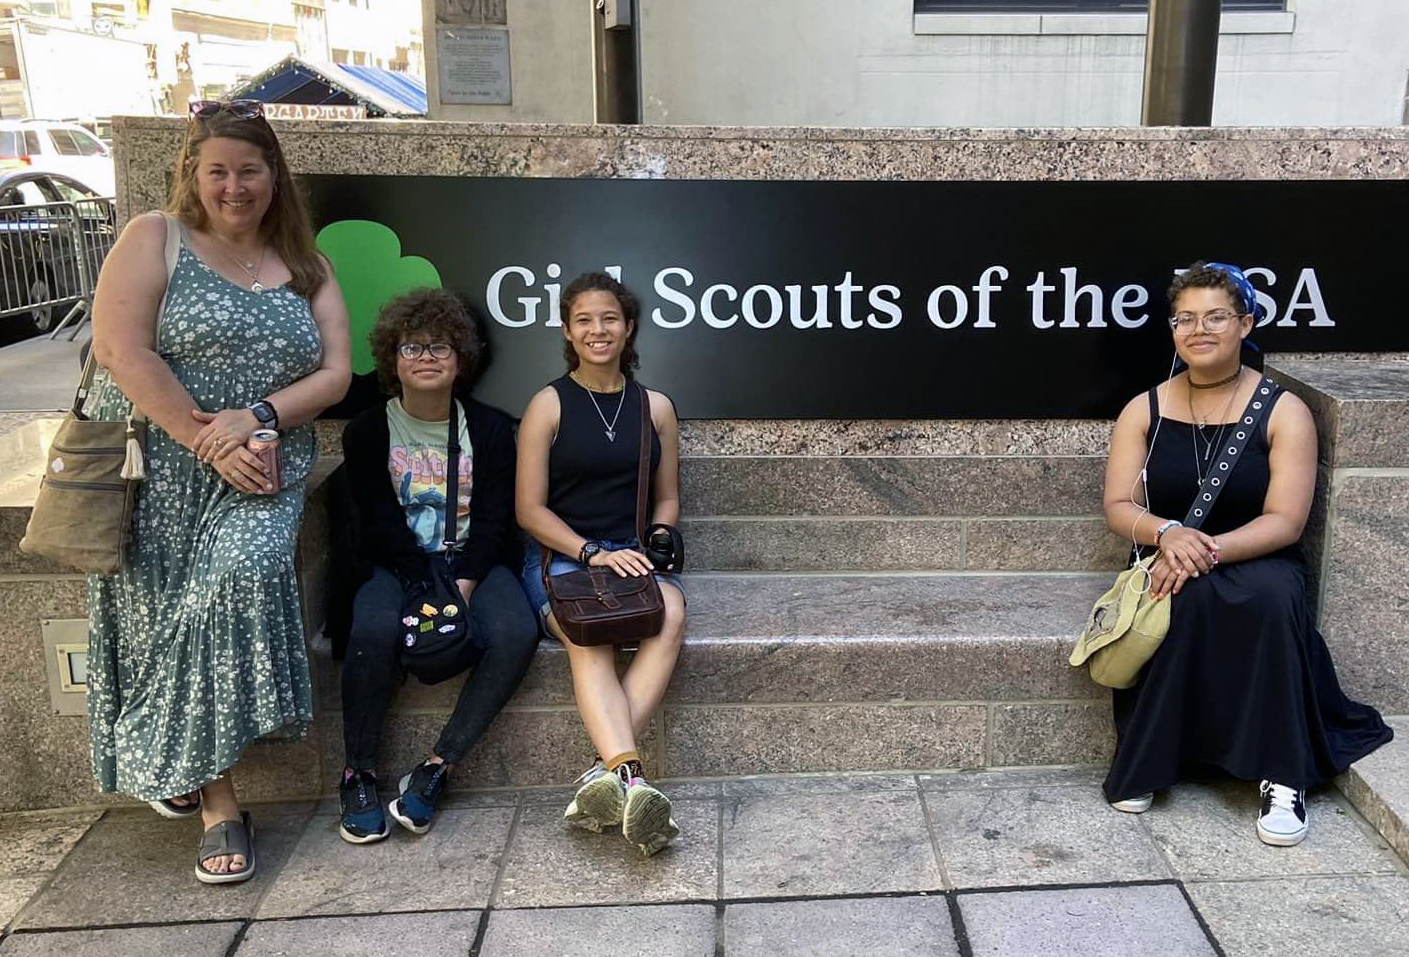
{"type": "Point", "coordinates": [244, 109]}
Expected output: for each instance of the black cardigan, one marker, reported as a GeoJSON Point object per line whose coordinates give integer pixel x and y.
{"type": "Point", "coordinates": [379, 522]}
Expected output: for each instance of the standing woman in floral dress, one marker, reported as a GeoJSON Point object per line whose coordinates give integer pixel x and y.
{"type": "Point", "coordinates": [196, 646]}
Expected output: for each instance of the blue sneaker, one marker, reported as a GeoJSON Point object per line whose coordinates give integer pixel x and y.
{"type": "Point", "coordinates": [362, 819]}
{"type": "Point", "coordinates": [420, 789]}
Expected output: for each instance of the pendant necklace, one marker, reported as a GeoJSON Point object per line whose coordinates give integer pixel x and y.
{"type": "Point", "coordinates": [251, 268]}
{"type": "Point", "coordinates": [1198, 427]}
{"type": "Point", "coordinates": [591, 394]}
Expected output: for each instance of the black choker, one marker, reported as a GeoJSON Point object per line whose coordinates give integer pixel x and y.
{"type": "Point", "coordinates": [1214, 385]}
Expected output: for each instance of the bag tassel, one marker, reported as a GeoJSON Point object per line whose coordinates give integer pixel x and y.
{"type": "Point", "coordinates": [133, 467]}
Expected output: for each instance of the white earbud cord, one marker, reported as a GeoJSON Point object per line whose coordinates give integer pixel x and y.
{"type": "Point", "coordinates": [1142, 480]}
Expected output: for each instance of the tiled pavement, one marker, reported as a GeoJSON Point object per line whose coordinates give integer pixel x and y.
{"type": "Point", "coordinates": [1021, 863]}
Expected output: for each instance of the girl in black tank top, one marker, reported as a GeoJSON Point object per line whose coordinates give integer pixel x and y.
{"type": "Point", "coordinates": [579, 447]}
{"type": "Point", "coordinates": [1243, 683]}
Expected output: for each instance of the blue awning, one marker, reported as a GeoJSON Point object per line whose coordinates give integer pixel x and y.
{"type": "Point", "coordinates": [295, 80]}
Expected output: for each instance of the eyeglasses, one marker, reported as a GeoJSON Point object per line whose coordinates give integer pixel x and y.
{"type": "Point", "coordinates": [1214, 321]}
{"type": "Point", "coordinates": [414, 350]}
{"type": "Point", "coordinates": [244, 109]}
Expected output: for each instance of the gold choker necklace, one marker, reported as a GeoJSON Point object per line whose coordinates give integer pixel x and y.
{"type": "Point", "coordinates": [1214, 385]}
{"type": "Point", "coordinates": [612, 391]}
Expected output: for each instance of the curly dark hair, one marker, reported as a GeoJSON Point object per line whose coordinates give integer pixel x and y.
{"type": "Point", "coordinates": [1203, 276]}
{"type": "Point", "coordinates": [630, 311]}
{"type": "Point", "coordinates": [435, 312]}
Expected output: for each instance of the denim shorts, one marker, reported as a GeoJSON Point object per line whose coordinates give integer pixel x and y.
{"type": "Point", "coordinates": [562, 564]}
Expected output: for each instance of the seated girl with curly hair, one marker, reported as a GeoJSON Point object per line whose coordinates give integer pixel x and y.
{"type": "Point", "coordinates": [398, 466]}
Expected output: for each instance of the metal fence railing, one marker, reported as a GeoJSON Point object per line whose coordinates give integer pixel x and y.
{"type": "Point", "coordinates": [50, 255]}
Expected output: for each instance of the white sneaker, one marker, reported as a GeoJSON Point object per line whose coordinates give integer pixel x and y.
{"type": "Point", "coordinates": [646, 820]}
{"type": "Point", "coordinates": [1282, 821]}
{"type": "Point", "coordinates": [599, 800]}
{"type": "Point", "coordinates": [1136, 805]}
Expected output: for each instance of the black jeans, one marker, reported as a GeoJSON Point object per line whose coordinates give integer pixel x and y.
{"type": "Point", "coordinates": [501, 622]}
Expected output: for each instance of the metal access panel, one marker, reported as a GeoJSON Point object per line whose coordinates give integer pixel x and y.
{"type": "Point", "coordinates": [66, 663]}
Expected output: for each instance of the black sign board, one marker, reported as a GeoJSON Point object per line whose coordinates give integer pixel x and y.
{"type": "Point", "coordinates": [892, 299]}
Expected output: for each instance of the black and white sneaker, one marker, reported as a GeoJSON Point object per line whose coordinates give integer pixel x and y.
{"type": "Point", "coordinates": [1282, 821]}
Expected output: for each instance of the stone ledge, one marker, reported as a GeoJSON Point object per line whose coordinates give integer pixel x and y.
{"type": "Point", "coordinates": [1361, 406]}
{"type": "Point", "coordinates": [1378, 787]}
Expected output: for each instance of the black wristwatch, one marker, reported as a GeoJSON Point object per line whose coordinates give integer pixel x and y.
{"type": "Point", "coordinates": [264, 411]}
{"type": "Point", "coordinates": [589, 549]}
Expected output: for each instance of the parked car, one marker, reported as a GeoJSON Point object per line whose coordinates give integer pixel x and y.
{"type": "Point", "coordinates": [39, 251]}
{"type": "Point", "coordinates": [99, 126]}
{"type": "Point", "coordinates": [52, 147]}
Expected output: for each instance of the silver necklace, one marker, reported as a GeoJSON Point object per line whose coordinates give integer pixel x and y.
{"type": "Point", "coordinates": [610, 426]}
{"type": "Point", "coordinates": [251, 268]}
{"type": "Point", "coordinates": [1198, 428]}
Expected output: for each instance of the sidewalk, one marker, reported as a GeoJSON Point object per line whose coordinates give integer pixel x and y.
{"type": "Point", "coordinates": [39, 374]}
{"type": "Point", "coordinates": [1015, 863]}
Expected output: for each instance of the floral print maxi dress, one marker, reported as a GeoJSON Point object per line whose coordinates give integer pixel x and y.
{"type": "Point", "coordinates": [196, 646]}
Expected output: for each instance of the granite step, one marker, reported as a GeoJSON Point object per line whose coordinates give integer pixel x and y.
{"type": "Point", "coordinates": [771, 543]}
{"type": "Point", "coordinates": [816, 672]}
{"type": "Point", "coordinates": [1032, 484]}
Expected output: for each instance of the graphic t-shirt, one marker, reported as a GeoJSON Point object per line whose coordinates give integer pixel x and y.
{"type": "Point", "coordinates": [416, 461]}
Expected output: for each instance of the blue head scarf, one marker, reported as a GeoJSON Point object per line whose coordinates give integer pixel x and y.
{"type": "Point", "coordinates": [1245, 290]}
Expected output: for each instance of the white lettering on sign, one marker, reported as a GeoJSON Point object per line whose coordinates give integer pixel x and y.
{"type": "Point", "coordinates": [514, 296]}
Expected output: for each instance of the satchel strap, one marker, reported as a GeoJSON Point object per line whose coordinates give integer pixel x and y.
{"type": "Point", "coordinates": [1231, 451]}
{"type": "Point", "coordinates": [90, 364]}
{"type": "Point", "coordinates": [452, 478]}
{"type": "Point", "coordinates": [643, 467]}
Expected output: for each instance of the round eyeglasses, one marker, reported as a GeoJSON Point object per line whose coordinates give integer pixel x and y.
{"type": "Point", "coordinates": [414, 350]}
{"type": "Point", "coordinates": [244, 109]}
{"type": "Point", "coordinates": [1214, 321]}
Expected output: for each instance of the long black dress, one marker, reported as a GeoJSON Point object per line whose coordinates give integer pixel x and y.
{"type": "Point", "coordinates": [1243, 683]}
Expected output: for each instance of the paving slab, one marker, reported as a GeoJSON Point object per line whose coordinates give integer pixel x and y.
{"type": "Point", "coordinates": [15, 892]}
{"type": "Point", "coordinates": [816, 784]}
{"type": "Point", "coordinates": [37, 843]}
{"type": "Point", "coordinates": [800, 845]}
{"type": "Point", "coordinates": [1039, 835]}
{"type": "Point", "coordinates": [171, 940]}
{"type": "Point", "coordinates": [554, 864]}
{"type": "Point", "coordinates": [444, 934]}
{"type": "Point", "coordinates": [1363, 916]}
{"type": "Point", "coordinates": [1208, 832]}
{"type": "Point", "coordinates": [156, 860]}
{"type": "Point", "coordinates": [452, 867]}
{"type": "Point", "coordinates": [874, 926]}
{"type": "Point", "coordinates": [686, 930]}
{"type": "Point", "coordinates": [1084, 922]}
{"type": "Point", "coordinates": [982, 779]}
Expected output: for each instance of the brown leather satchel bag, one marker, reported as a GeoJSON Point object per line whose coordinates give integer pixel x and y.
{"type": "Point", "coordinates": [596, 606]}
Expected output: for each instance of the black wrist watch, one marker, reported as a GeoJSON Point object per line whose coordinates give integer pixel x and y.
{"type": "Point", "coordinates": [589, 549]}
{"type": "Point", "coordinates": [264, 411]}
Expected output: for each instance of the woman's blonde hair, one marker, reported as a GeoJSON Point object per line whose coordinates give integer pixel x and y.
{"type": "Point", "coordinates": [285, 226]}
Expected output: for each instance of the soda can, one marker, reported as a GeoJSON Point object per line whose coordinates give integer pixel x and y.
{"type": "Point", "coordinates": [265, 444]}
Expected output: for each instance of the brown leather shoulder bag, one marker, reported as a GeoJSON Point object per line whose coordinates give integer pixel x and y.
{"type": "Point", "coordinates": [596, 606]}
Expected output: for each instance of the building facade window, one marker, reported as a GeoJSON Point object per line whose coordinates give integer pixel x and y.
{"type": "Point", "coordinates": [1071, 6]}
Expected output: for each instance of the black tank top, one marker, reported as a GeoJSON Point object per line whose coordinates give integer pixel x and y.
{"type": "Point", "coordinates": [1174, 479]}
{"type": "Point", "coordinates": [592, 479]}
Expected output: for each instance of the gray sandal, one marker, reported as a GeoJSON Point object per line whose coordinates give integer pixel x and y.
{"type": "Point", "coordinates": [225, 838]}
